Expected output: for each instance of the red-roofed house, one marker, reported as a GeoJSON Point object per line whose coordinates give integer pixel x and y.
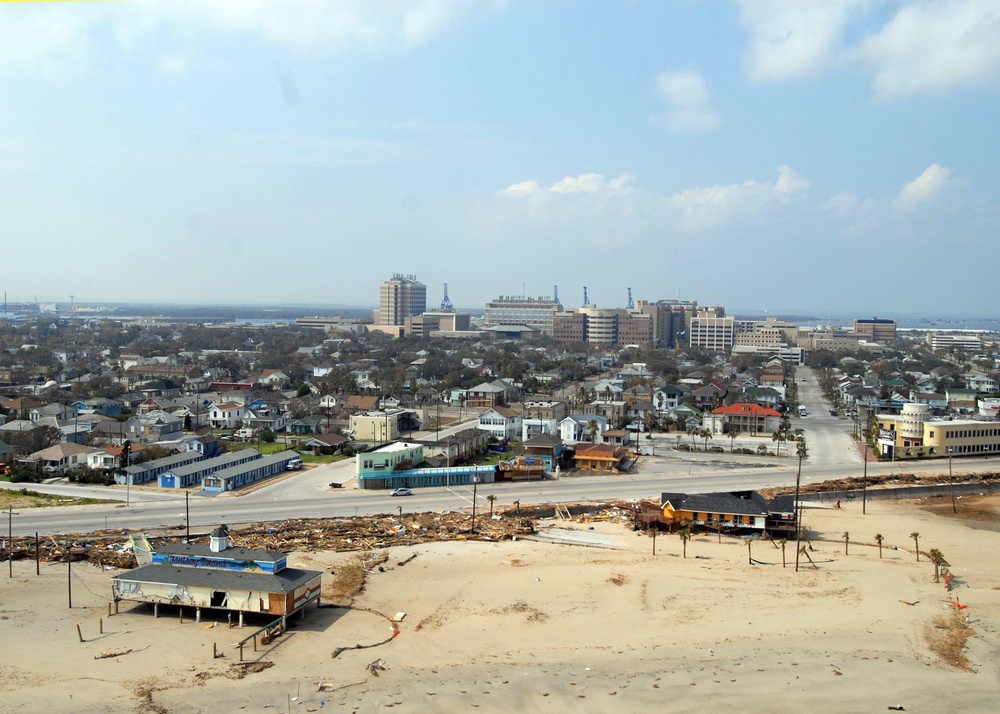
{"type": "Point", "coordinates": [751, 419]}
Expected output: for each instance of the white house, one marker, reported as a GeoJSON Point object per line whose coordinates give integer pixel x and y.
{"type": "Point", "coordinates": [576, 428]}
{"type": "Point", "coordinates": [228, 415]}
{"type": "Point", "coordinates": [501, 422]}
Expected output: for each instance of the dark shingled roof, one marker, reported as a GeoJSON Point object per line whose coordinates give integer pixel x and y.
{"type": "Point", "coordinates": [283, 582]}
{"type": "Point", "coordinates": [204, 551]}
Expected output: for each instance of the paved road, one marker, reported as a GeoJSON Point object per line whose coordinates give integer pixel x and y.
{"type": "Point", "coordinates": [307, 493]}
{"type": "Point", "coordinates": [827, 437]}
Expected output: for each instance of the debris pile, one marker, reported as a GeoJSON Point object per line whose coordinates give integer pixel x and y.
{"type": "Point", "coordinates": [116, 549]}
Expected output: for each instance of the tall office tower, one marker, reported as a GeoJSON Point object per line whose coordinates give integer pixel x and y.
{"type": "Point", "coordinates": [711, 329]}
{"type": "Point", "coordinates": [402, 297]}
{"type": "Point", "coordinates": [881, 331]}
{"type": "Point", "coordinates": [536, 313]}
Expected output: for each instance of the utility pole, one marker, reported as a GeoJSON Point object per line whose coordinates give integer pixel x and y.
{"type": "Point", "coordinates": [187, 514]}
{"type": "Point", "coordinates": [864, 483]}
{"type": "Point", "coordinates": [475, 482]}
{"type": "Point", "coordinates": [10, 540]}
{"type": "Point", "coordinates": [801, 452]}
{"type": "Point", "coordinates": [951, 484]}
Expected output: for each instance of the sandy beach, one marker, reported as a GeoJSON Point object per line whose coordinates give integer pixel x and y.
{"type": "Point", "coordinates": [537, 626]}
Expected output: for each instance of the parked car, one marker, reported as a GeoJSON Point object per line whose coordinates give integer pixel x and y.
{"type": "Point", "coordinates": [294, 465]}
{"type": "Point", "coordinates": [400, 492]}
{"type": "Point", "coordinates": [716, 449]}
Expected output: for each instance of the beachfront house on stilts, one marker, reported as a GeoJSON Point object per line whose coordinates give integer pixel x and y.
{"type": "Point", "coordinates": [220, 577]}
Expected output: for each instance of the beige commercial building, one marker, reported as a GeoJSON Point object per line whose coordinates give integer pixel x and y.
{"type": "Point", "coordinates": [399, 298]}
{"type": "Point", "coordinates": [912, 434]}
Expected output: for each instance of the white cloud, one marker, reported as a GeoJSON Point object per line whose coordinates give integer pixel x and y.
{"type": "Point", "coordinates": [794, 39]}
{"type": "Point", "coordinates": [174, 65]}
{"type": "Point", "coordinates": [524, 188]}
{"type": "Point", "coordinates": [320, 26]}
{"type": "Point", "coordinates": [49, 41]}
{"type": "Point", "coordinates": [58, 42]}
{"type": "Point", "coordinates": [717, 205]}
{"type": "Point", "coordinates": [923, 188]}
{"type": "Point", "coordinates": [935, 46]}
{"type": "Point", "coordinates": [688, 94]}
{"type": "Point", "coordinates": [842, 203]}
{"type": "Point", "coordinates": [593, 184]}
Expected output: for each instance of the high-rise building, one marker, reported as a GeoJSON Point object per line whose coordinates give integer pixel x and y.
{"type": "Point", "coordinates": [671, 320]}
{"type": "Point", "coordinates": [881, 331]}
{"type": "Point", "coordinates": [399, 298]}
{"type": "Point", "coordinates": [712, 330]}
{"type": "Point", "coordinates": [612, 326]}
{"type": "Point", "coordinates": [536, 313]}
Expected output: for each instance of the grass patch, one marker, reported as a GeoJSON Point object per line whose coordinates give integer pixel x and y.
{"type": "Point", "coordinates": [275, 447]}
{"type": "Point", "coordinates": [947, 636]}
{"type": "Point", "coordinates": [349, 577]}
{"type": "Point", "coordinates": [26, 498]}
{"type": "Point", "coordinates": [322, 459]}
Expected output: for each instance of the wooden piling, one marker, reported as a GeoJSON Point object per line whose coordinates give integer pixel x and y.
{"type": "Point", "coordinates": [181, 613]}
{"type": "Point", "coordinates": [79, 633]}
{"type": "Point", "coordinates": [100, 625]}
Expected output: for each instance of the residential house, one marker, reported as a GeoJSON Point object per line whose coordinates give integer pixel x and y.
{"type": "Point", "coordinates": [485, 396]}
{"type": "Point", "coordinates": [617, 437]}
{"type": "Point", "coordinates": [546, 449]}
{"type": "Point", "coordinates": [709, 396]}
{"type": "Point", "coordinates": [598, 457]}
{"type": "Point", "coordinates": [154, 426]}
{"type": "Point", "coordinates": [326, 444]}
{"type": "Point", "coordinates": [982, 384]}
{"type": "Point", "coordinates": [227, 415]}
{"type": "Point", "coordinates": [751, 419]}
{"type": "Point", "coordinates": [503, 423]}
{"type": "Point", "coordinates": [61, 458]}
{"type": "Point", "coordinates": [583, 428]}
{"type": "Point", "coordinates": [273, 379]}
{"type": "Point", "coordinates": [312, 424]}
{"type": "Point", "coordinates": [668, 397]}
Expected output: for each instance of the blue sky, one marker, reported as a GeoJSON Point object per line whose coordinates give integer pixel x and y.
{"type": "Point", "coordinates": [805, 156]}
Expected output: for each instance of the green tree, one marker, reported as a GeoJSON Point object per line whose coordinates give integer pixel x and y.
{"type": "Point", "coordinates": [266, 435]}
{"type": "Point", "coordinates": [684, 533]}
{"type": "Point", "coordinates": [732, 440]}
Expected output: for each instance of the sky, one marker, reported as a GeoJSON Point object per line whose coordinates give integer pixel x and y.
{"type": "Point", "coordinates": [808, 156]}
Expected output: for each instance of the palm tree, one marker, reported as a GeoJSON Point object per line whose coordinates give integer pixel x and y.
{"type": "Point", "coordinates": [938, 559]}
{"type": "Point", "coordinates": [706, 435]}
{"type": "Point", "coordinates": [491, 498]}
{"type": "Point", "coordinates": [692, 430]}
{"type": "Point", "coordinates": [847, 541]}
{"type": "Point", "coordinates": [592, 429]}
{"type": "Point", "coordinates": [916, 543]}
{"type": "Point", "coordinates": [732, 439]}
{"type": "Point", "coordinates": [685, 535]}
{"type": "Point", "coordinates": [878, 539]}
{"type": "Point", "coordinates": [778, 436]}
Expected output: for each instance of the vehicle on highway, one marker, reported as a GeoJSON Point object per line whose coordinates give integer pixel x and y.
{"type": "Point", "coordinates": [802, 410]}
{"type": "Point", "coordinates": [400, 492]}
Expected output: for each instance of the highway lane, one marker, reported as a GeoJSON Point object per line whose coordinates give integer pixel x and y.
{"type": "Point", "coordinates": [306, 494]}
{"type": "Point", "coordinates": [654, 477]}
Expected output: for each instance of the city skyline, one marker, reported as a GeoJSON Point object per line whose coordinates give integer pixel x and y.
{"type": "Point", "coordinates": [782, 157]}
